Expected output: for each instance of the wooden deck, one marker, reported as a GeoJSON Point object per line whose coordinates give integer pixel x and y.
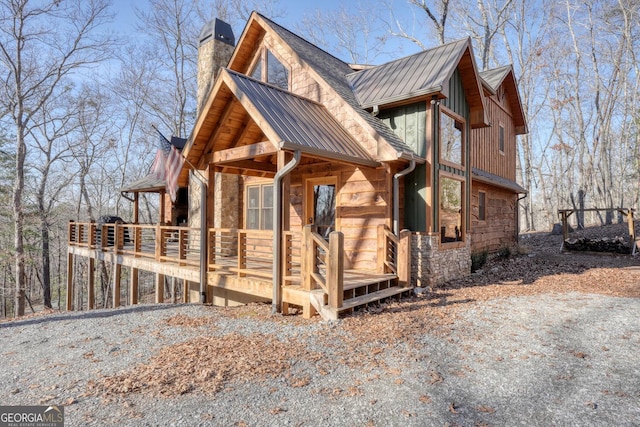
{"type": "Point", "coordinates": [240, 264]}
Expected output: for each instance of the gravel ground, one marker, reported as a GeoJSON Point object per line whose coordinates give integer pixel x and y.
{"type": "Point", "coordinates": [560, 359]}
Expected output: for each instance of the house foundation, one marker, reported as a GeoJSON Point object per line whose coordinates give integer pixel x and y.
{"type": "Point", "coordinates": [434, 263]}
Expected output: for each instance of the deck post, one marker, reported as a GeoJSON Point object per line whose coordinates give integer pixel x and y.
{"type": "Point", "coordinates": [69, 281]}
{"type": "Point", "coordinates": [115, 286]}
{"type": "Point", "coordinates": [403, 259]}
{"type": "Point", "coordinates": [242, 253]}
{"type": "Point", "coordinates": [382, 250]}
{"type": "Point", "coordinates": [91, 282]}
{"type": "Point", "coordinates": [185, 291]}
{"type": "Point", "coordinates": [133, 285]}
{"type": "Point", "coordinates": [335, 269]}
{"type": "Point", "coordinates": [159, 288]}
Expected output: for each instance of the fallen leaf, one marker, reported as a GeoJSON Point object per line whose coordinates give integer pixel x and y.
{"type": "Point", "coordinates": [452, 408]}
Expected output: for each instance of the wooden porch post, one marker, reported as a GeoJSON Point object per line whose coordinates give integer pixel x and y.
{"type": "Point", "coordinates": [69, 281]}
{"type": "Point", "coordinates": [335, 269]}
{"type": "Point", "coordinates": [307, 257]}
{"type": "Point", "coordinates": [404, 259]}
{"type": "Point", "coordinates": [162, 201]}
{"type": "Point", "coordinates": [136, 207]}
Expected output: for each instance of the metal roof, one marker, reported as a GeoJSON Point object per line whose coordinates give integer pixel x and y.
{"type": "Point", "coordinates": [495, 77]}
{"type": "Point", "coordinates": [334, 72]}
{"type": "Point", "coordinates": [149, 184]}
{"type": "Point", "coordinates": [489, 178]}
{"type": "Point", "coordinates": [420, 74]}
{"type": "Point", "coordinates": [297, 123]}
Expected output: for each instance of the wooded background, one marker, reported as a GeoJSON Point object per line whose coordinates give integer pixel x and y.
{"type": "Point", "coordinates": [80, 93]}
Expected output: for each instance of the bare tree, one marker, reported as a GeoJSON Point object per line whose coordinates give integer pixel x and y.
{"type": "Point", "coordinates": [351, 33]}
{"type": "Point", "coordinates": [40, 44]}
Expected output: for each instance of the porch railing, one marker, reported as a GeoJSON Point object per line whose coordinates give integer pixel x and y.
{"type": "Point", "coordinates": [158, 242]}
{"type": "Point", "coordinates": [249, 253]}
{"type": "Point", "coordinates": [394, 254]}
{"type": "Point", "coordinates": [323, 265]}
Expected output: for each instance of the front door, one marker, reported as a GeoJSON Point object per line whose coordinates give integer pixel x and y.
{"type": "Point", "coordinates": [320, 204]}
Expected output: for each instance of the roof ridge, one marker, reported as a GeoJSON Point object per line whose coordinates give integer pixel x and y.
{"type": "Point", "coordinates": [422, 52]}
{"type": "Point", "coordinates": [299, 37]}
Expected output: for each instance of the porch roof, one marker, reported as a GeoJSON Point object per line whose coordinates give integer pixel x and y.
{"type": "Point", "coordinates": [498, 181]}
{"type": "Point", "coordinates": [289, 121]}
{"type": "Point", "coordinates": [148, 184]}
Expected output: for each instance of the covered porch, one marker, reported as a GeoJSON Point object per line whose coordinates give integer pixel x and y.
{"type": "Point", "coordinates": [239, 265]}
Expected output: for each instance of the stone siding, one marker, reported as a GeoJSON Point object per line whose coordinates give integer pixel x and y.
{"type": "Point", "coordinates": [433, 264]}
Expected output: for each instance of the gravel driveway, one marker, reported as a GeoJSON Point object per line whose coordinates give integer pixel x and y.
{"type": "Point", "coordinates": [547, 359]}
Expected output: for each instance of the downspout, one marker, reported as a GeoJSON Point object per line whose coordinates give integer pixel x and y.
{"type": "Point", "coordinates": [396, 196]}
{"type": "Point", "coordinates": [203, 235]}
{"type": "Point", "coordinates": [277, 229]}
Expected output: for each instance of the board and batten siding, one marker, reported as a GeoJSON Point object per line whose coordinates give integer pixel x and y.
{"type": "Point", "coordinates": [409, 122]}
{"type": "Point", "coordinates": [485, 152]}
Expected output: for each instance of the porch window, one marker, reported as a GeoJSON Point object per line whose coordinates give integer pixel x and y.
{"type": "Point", "coordinates": [451, 138]}
{"type": "Point", "coordinates": [482, 206]}
{"type": "Point", "coordinates": [259, 211]}
{"type": "Point", "coordinates": [451, 210]}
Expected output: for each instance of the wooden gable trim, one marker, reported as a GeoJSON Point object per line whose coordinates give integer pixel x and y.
{"type": "Point", "coordinates": [473, 88]}
{"type": "Point", "coordinates": [243, 152]}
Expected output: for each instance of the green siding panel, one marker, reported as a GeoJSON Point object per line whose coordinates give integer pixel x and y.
{"type": "Point", "coordinates": [409, 123]}
{"type": "Point", "coordinates": [415, 199]}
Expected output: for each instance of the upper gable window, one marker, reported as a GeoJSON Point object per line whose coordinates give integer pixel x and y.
{"type": "Point", "coordinates": [269, 69]}
{"type": "Point", "coordinates": [451, 138]}
{"type": "Point", "coordinates": [277, 74]}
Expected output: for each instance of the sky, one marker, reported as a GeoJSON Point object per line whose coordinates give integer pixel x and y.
{"type": "Point", "coordinates": [293, 12]}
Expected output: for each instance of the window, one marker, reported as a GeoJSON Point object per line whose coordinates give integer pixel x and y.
{"type": "Point", "coordinates": [259, 207]}
{"type": "Point", "coordinates": [501, 138]}
{"type": "Point", "coordinates": [482, 206]}
{"type": "Point", "coordinates": [277, 74]}
{"type": "Point", "coordinates": [269, 69]}
{"type": "Point", "coordinates": [451, 210]}
{"type": "Point", "coordinates": [451, 138]}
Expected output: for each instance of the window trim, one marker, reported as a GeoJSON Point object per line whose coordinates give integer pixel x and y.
{"type": "Point", "coordinates": [482, 207]}
{"type": "Point", "coordinates": [455, 117]}
{"type": "Point", "coordinates": [260, 208]}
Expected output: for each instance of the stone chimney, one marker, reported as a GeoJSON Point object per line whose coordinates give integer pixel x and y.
{"type": "Point", "coordinates": [217, 43]}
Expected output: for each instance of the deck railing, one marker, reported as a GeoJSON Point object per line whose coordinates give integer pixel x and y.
{"type": "Point", "coordinates": [323, 265]}
{"type": "Point", "coordinates": [158, 242]}
{"type": "Point", "coordinates": [394, 254]}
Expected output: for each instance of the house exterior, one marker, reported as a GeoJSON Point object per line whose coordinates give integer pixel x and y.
{"type": "Point", "coordinates": [325, 185]}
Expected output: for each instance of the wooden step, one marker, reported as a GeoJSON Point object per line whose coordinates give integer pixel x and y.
{"type": "Point", "coordinates": [327, 313]}
{"type": "Point", "coordinates": [372, 297]}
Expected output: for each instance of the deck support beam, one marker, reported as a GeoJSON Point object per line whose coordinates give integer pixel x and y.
{"type": "Point", "coordinates": [91, 274]}
{"type": "Point", "coordinates": [70, 281]}
{"type": "Point", "coordinates": [159, 288]}
{"type": "Point", "coordinates": [133, 286]}
{"type": "Point", "coordinates": [115, 285]}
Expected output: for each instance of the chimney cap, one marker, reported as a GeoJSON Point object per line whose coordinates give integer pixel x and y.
{"type": "Point", "coordinates": [218, 30]}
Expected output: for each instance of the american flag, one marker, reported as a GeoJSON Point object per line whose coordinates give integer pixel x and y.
{"type": "Point", "coordinates": [167, 165]}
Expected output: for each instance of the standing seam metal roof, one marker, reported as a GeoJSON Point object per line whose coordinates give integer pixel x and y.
{"type": "Point", "coordinates": [420, 74]}
{"type": "Point", "coordinates": [299, 123]}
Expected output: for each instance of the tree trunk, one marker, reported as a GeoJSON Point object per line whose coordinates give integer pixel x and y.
{"type": "Point", "coordinates": [18, 214]}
